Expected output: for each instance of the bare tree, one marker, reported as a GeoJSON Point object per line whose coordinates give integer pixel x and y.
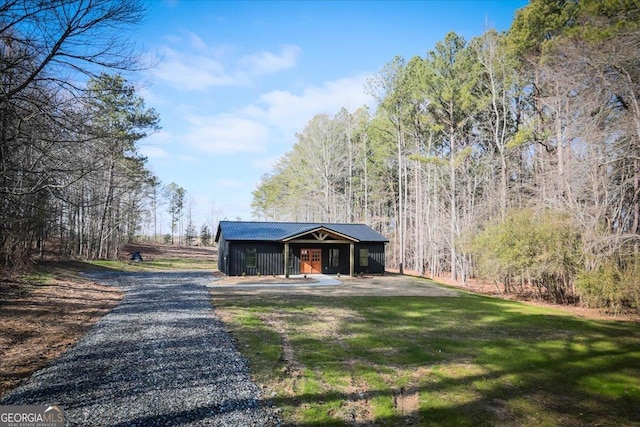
{"type": "Point", "coordinates": [175, 197]}
{"type": "Point", "coordinates": [51, 40]}
{"type": "Point", "coordinates": [47, 50]}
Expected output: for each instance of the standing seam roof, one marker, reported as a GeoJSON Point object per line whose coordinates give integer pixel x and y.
{"type": "Point", "coordinates": [278, 231]}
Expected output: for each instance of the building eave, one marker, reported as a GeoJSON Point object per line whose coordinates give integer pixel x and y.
{"type": "Point", "coordinates": [317, 230]}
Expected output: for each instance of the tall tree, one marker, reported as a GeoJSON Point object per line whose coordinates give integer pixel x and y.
{"type": "Point", "coordinates": [451, 91]}
{"type": "Point", "coordinates": [118, 118]}
{"type": "Point", "coordinates": [388, 90]}
{"type": "Point", "coordinates": [155, 201]}
{"type": "Point", "coordinates": [47, 49]}
{"type": "Point", "coordinates": [175, 196]}
{"type": "Point", "coordinates": [320, 152]}
{"type": "Point", "coordinates": [47, 40]}
{"type": "Point", "coordinates": [499, 117]}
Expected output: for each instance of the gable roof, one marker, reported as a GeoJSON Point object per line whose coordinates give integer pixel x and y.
{"type": "Point", "coordinates": [282, 231]}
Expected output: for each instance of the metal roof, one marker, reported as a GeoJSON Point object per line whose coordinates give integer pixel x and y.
{"type": "Point", "coordinates": [280, 231]}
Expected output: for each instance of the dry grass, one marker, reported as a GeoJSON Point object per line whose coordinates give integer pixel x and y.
{"type": "Point", "coordinates": [48, 310]}
{"type": "Point", "coordinates": [40, 321]}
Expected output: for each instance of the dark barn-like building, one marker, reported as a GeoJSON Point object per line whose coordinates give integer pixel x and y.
{"type": "Point", "coordinates": [253, 248]}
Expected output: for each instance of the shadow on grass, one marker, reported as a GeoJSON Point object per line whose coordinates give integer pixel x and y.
{"type": "Point", "coordinates": [481, 361]}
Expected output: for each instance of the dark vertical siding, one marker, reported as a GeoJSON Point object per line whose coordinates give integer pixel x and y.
{"type": "Point", "coordinates": [269, 259]}
{"type": "Point", "coordinates": [376, 258]}
{"type": "Point", "coordinates": [223, 255]}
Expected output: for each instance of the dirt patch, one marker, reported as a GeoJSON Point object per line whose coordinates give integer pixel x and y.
{"type": "Point", "coordinates": [386, 285]}
{"type": "Point", "coordinates": [327, 324]}
{"type": "Point", "coordinates": [406, 401]}
{"type": "Point", "coordinates": [357, 410]}
{"type": "Point", "coordinates": [39, 322]}
{"type": "Point", "coordinates": [293, 368]}
{"type": "Point", "coordinates": [153, 251]}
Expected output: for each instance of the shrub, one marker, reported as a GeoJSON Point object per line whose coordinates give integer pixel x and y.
{"type": "Point", "coordinates": [614, 285]}
{"type": "Point", "coordinates": [539, 248]}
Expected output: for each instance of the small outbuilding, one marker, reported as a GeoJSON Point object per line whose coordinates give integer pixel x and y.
{"type": "Point", "coordinates": [284, 248]}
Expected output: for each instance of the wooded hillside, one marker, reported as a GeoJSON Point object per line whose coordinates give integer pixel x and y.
{"type": "Point", "coordinates": [513, 157]}
{"type": "Point", "coordinates": [71, 175]}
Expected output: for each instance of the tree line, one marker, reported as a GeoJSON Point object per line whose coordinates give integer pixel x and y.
{"type": "Point", "coordinates": [73, 182]}
{"type": "Point", "coordinates": [512, 157]}
{"type": "Point", "coordinates": [72, 179]}
{"type": "Point", "coordinates": [181, 219]}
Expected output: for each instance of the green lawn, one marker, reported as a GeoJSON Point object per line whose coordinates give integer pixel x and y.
{"type": "Point", "coordinates": [162, 264]}
{"type": "Point", "coordinates": [464, 361]}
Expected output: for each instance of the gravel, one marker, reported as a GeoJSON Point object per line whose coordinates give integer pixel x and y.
{"type": "Point", "coordinates": [161, 358]}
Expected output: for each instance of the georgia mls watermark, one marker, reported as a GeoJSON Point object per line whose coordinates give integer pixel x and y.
{"type": "Point", "coordinates": [31, 416]}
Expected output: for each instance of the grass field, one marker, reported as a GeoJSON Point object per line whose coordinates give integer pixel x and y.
{"type": "Point", "coordinates": [465, 361]}
{"type": "Point", "coordinates": [162, 264]}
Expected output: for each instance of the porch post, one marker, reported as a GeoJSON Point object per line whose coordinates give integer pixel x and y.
{"type": "Point", "coordinates": [286, 259]}
{"type": "Point", "coordinates": [352, 261]}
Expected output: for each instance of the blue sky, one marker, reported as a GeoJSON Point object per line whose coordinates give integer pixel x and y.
{"type": "Point", "coordinates": [234, 81]}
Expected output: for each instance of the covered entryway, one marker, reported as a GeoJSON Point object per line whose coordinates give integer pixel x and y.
{"type": "Point", "coordinates": [256, 248]}
{"type": "Point", "coordinates": [310, 261]}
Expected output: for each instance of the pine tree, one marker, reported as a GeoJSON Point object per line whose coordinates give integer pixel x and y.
{"type": "Point", "coordinates": [205, 235]}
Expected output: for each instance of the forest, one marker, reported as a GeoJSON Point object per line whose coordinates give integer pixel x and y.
{"type": "Point", "coordinates": [73, 182]}
{"type": "Point", "coordinates": [512, 157]}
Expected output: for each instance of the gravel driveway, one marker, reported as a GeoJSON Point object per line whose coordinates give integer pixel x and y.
{"type": "Point", "coordinates": [161, 358]}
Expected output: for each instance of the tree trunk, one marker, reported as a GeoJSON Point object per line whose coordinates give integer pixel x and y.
{"type": "Point", "coordinates": [400, 225]}
{"type": "Point", "coordinates": [452, 203]}
{"type": "Point", "coordinates": [107, 208]}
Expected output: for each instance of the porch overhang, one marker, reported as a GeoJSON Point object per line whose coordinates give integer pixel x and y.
{"type": "Point", "coordinates": [320, 235]}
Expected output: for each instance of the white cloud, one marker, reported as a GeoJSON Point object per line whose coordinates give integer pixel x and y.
{"type": "Point", "coordinates": [275, 118]}
{"type": "Point", "coordinates": [192, 72]}
{"type": "Point", "coordinates": [188, 63]}
{"type": "Point", "coordinates": [291, 112]}
{"type": "Point", "coordinates": [226, 134]}
{"type": "Point", "coordinates": [267, 62]}
{"type": "Point", "coordinates": [195, 41]}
